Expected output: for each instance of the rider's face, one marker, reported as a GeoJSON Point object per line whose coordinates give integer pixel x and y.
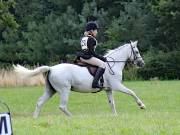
{"type": "Point", "coordinates": [94, 32]}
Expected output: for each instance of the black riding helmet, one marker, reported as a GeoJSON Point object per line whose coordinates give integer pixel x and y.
{"type": "Point", "coordinates": [91, 26]}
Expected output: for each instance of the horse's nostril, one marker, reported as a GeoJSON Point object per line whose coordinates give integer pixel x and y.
{"type": "Point", "coordinates": [142, 64]}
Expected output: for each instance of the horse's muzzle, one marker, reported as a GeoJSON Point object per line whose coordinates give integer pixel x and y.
{"type": "Point", "coordinates": [141, 63]}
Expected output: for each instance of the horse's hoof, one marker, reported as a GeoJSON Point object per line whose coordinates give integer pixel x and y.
{"type": "Point", "coordinates": [115, 114]}
{"type": "Point", "coordinates": [35, 117]}
{"type": "Point", "coordinates": [142, 106]}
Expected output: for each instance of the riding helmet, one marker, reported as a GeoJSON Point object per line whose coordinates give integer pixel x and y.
{"type": "Point", "coordinates": [91, 26]}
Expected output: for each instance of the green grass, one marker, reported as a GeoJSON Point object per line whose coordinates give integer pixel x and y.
{"type": "Point", "coordinates": [92, 114]}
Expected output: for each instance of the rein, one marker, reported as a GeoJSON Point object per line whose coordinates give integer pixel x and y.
{"type": "Point", "coordinates": [114, 62]}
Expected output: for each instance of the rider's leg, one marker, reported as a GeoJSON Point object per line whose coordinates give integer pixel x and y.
{"type": "Point", "coordinates": [100, 71]}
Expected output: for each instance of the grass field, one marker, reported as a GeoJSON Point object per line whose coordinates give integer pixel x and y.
{"type": "Point", "coordinates": [92, 114]}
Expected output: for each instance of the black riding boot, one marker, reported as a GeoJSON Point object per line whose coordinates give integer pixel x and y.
{"type": "Point", "coordinates": [99, 73]}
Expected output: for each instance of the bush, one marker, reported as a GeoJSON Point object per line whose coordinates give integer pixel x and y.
{"type": "Point", "coordinates": [131, 73]}
{"type": "Point", "coordinates": [162, 65]}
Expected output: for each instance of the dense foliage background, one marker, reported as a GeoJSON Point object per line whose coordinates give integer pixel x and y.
{"type": "Point", "coordinates": [45, 31]}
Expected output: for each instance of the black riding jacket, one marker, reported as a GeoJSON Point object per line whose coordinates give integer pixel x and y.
{"type": "Point", "coordinates": [88, 45]}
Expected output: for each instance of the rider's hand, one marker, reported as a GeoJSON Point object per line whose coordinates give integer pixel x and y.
{"type": "Point", "coordinates": [104, 59]}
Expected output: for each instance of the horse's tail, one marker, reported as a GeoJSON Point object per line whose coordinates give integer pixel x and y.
{"type": "Point", "coordinates": [24, 72]}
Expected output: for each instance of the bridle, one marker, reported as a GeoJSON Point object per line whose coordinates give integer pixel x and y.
{"type": "Point", "coordinates": [123, 61]}
{"type": "Point", "coordinates": [134, 54]}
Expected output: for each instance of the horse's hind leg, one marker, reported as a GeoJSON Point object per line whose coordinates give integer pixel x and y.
{"type": "Point", "coordinates": [47, 95]}
{"type": "Point", "coordinates": [64, 94]}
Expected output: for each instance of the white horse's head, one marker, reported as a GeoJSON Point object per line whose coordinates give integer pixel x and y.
{"type": "Point", "coordinates": [135, 55]}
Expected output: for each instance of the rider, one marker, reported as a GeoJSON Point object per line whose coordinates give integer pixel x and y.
{"type": "Point", "coordinates": [88, 55]}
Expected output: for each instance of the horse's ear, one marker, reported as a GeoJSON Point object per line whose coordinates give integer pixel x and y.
{"type": "Point", "coordinates": [135, 42]}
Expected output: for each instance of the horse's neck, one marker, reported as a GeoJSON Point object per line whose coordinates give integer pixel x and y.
{"type": "Point", "coordinates": [120, 55]}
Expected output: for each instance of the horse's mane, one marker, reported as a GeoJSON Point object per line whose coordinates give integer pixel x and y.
{"type": "Point", "coordinates": [116, 49]}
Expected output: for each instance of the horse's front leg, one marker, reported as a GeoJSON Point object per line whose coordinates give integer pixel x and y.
{"type": "Point", "coordinates": [116, 86]}
{"type": "Point", "coordinates": [111, 100]}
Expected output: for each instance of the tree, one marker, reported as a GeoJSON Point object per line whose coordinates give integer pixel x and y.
{"type": "Point", "coordinates": [135, 23]}
{"type": "Point", "coordinates": [54, 38]}
{"type": "Point", "coordinates": [168, 25]}
{"type": "Point", "coordinates": [8, 24]}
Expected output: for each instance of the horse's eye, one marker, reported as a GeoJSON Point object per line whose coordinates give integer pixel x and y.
{"type": "Point", "coordinates": [136, 52]}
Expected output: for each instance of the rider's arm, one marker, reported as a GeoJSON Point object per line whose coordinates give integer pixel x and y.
{"type": "Point", "coordinates": [91, 43]}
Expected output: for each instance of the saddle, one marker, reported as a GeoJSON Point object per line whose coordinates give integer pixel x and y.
{"type": "Point", "coordinates": [91, 68]}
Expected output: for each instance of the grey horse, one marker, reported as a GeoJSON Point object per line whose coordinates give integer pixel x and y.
{"type": "Point", "coordinates": [62, 77]}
